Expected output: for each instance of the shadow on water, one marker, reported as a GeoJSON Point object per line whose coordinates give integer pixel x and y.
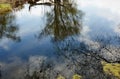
{"type": "Point", "coordinates": [72, 56]}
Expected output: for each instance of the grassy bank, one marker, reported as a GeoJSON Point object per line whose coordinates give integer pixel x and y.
{"type": "Point", "coordinates": [5, 8]}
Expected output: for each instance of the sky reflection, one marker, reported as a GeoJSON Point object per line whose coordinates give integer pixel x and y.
{"type": "Point", "coordinates": [99, 30]}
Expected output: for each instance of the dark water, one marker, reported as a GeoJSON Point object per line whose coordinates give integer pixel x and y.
{"type": "Point", "coordinates": [41, 41]}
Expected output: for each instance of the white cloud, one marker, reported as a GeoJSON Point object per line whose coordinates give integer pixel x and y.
{"type": "Point", "coordinates": [111, 7]}
{"type": "Point", "coordinates": [31, 21]}
{"type": "Point", "coordinates": [117, 29]}
{"type": "Point", "coordinates": [4, 44]}
{"type": "Point", "coordinates": [85, 30]}
{"type": "Point", "coordinates": [108, 4]}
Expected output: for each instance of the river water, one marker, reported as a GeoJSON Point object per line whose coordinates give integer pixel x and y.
{"type": "Point", "coordinates": [42, 41]}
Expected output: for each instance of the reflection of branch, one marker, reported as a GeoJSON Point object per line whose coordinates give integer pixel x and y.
{"type": "Point", "coordinates": [108, 61]}
{"type": "Point", "coordinates": [8, 28]}
{"type": "Point", "coordinates": [46, 3]}
{"type": "Point", "coordinates": [97, 56]}
{"type": "Point", "coordinates": [61, 17]}
{"type": "Point", "coordinates": [104, 47]}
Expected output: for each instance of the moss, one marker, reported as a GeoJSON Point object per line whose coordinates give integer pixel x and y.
{"type": "Point", "coordinates": [60, 77]}
{"type": "Point", "coordinates": [111, 69]}
{"type": "Point", "coordinates": [5, 8]}
{"type": "Point", "coordinates": [76, 76]}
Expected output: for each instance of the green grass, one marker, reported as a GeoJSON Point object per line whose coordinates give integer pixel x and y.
{"type": "Point", "coordinates": [5, 8]}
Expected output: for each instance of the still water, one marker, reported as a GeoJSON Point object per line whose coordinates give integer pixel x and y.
{"type": "Point", "coordinates": [43, 41]}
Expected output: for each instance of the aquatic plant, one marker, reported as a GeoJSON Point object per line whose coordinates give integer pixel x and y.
{"type": "Point", "coordinates": [60, 77]}
{"type": "Point", "coordinates": [111, 69]}
{"type": "Point", "coordinates": [76, 76]}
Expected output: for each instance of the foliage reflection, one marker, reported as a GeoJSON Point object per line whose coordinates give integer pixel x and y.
{"type": "Point", "coordinates": [63, 21]}
{"type": "Point", "coordinates": [8, 27]}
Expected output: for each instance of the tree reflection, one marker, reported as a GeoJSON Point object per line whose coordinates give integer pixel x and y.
{"type": "Point", "coordinates": [85, 59]}
{"type": "Point", "coordinates": [63, 21]}
{"type": "Point", "coordinates": [17, 4]}
{"type": "Point", "coordinates": [8, 27]}
{"type": "Point", "coordinates": [70, 61]}
{"type": "Point", "coordinates": [80, 59]}
{"type": "Point", "coordinates": [73, 56]}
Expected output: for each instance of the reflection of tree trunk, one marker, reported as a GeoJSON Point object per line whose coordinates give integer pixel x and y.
{"type": "Point", "coordinates": [57, 1]}
{"type": "Point", "coordinates": [56, 26]}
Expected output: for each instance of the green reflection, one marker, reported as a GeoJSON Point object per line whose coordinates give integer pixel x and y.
{"type": "Point", "coordinates": [64, 20]}
{"type": "Point", "coordinates": [8, 6]}
{"type": "Point", "coordinates": [4, 8]}
{"type": "Point", "coordinates": [8, 27]}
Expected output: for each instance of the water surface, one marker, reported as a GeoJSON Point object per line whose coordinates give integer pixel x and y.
{"type": "Point", "coordinates": [41, 41]}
